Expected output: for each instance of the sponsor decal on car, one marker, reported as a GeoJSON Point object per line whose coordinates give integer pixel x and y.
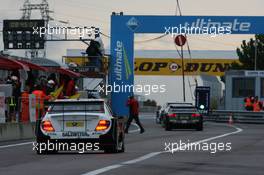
{"type": "Point", "coordinates": [75, 134]}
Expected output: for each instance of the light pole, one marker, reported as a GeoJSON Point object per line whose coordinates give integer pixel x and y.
{"type": "Point", "coordinates": [183, 76]}
{"type": "Point", "coordinates": [256, 53]}
{"type": "Point", "coordinates": [180, 40]}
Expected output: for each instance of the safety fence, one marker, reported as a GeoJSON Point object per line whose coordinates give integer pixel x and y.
{"type": "Point", "coordinates": [21, 109]}
{"type": "Point", "coordinates": [236, 116]}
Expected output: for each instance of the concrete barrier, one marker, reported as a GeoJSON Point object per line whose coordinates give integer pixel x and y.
{"type": "Point", "coordinates": [16, 131]}
{"type": "Point", "coordinates": [148, 109]}
{"type": "Point", "coordinates": [21, 131]}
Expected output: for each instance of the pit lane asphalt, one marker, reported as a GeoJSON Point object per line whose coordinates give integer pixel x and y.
{"type": "Point", "coordinates": [246, 156]}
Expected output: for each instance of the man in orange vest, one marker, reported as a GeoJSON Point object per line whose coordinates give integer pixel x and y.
{"type": "Point", "coordinates": [25, 105]}
{"type": "Point", "coordinates": [40, 98]}
{"type": "Point", "coordinates": [257, 105]}
{"type": "Point", "coordinates": [249, 103]}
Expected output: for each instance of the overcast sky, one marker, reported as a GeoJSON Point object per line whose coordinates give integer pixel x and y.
{"type": "Point", "coordinates": [97, 13]}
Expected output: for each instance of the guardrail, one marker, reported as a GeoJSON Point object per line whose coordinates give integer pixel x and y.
{"type": "Point", "coordinates": [236, 116]}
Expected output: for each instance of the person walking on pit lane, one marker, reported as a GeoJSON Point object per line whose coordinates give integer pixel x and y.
{"type": "Point", "coordinates": [133, 105]}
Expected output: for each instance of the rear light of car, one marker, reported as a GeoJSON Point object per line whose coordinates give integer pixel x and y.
{"type": "Point", "coordinates": [172, 115]}
{"type": "Point", "coordinates": [47, 126]}
{"type": "Point", "coordinates": [102, 125]}
{"type": "Point", "coordinates": [196, 115]}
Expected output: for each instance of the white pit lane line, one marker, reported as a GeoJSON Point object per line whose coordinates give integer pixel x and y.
{"type": "Point", "coordinates": [17, 144]}
{"type": "Point", "coordinates": [150, 155]}
{"type": "Point", "coordinates": [134, 130]}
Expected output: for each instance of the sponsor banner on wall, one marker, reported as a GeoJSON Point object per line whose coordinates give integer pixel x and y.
{"type": "Point", "coordinates": [173, 67]}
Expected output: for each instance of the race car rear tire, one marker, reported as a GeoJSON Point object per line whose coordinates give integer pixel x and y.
{"type": "Point", "coordinates": [199, 126]}
{"type": "Point", "coordinates": [46, 151]}
{"type": "Point", "coordinates": [167, 126]}
{"type": "Point", "coordinates": [111, 148]}
{"type": "Point", "coordinates": [117, 147]}
{"type": "Point", "coordinates": [121, 146]}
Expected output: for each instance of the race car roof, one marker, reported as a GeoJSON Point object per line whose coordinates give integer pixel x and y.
{"type": "Point", "coordinates": [182, 105]}
{"type": "Point", "coordinates": [79, 100]}
{"type": "Point", "coordinates": [178, 103]}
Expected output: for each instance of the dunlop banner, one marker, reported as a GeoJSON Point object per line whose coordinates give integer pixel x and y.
{"type": "Point", "coordinates": [170, 67]}
{"type": "Point", "coordinates": [79, 61]}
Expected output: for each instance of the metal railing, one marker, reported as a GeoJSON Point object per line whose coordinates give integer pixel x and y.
{"type": "Point", "coordinates": [237, 116]}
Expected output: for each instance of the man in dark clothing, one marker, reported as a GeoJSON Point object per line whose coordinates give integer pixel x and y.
{"type": "Point", "coordinates": [50, 87]}
{"type": "Point", "coordinates": [132, 103]}
{"type": "Point", "coordinates": [15, 99]}
{"type": "Point", "coordinates": [94, 54]}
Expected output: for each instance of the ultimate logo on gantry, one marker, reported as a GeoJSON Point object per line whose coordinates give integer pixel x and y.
{"type": "Point", "coordinates": [118, 66]}
{"type": "Point", "coordinates": [127, 65]}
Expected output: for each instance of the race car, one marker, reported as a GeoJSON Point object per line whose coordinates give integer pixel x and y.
{"type": "Point", "coordinates": [182, 115]}
{"type": "Point", "coordinates": [75, 121]}
{"type": "Point", "coordinates": [161, 112]}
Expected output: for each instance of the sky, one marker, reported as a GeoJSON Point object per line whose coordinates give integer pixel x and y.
{"type": "Point", "coordinates": [97, 13]}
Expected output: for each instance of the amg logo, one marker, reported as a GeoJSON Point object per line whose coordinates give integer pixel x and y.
{"type": "Point", "coordinates": [118, 60]}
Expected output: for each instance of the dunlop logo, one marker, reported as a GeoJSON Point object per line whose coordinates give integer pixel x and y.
{"type": "Point", "coordinates": [215, 67]}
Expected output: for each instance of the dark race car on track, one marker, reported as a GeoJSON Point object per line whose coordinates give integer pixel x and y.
{"type": "Point", "coordinates": [160, 113]}
{"type": "Point", "coordinates": [182, 115]}
{"type": "Point", "coordinates": [74, 122]}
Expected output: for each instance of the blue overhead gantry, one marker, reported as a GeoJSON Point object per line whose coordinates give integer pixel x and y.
{"type": "Point", "coordinates": [123, 28]}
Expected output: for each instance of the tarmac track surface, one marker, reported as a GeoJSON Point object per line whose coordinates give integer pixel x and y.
{"type": "Point", "coordinates": [145, 154]}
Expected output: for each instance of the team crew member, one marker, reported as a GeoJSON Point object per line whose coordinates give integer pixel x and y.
{"type": "Point", "coordinates": [50, 87]}
{"type": "Point", "coordinates": [132, 103]}
{"type": "Point", "coordinates": [25, 105]}
{"type": "Point", "coordinates": [257, 105]}
{"type": "Point", "coordinates": [249, 103]}
{"type": "Point", "coordinates": [40, 98]}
